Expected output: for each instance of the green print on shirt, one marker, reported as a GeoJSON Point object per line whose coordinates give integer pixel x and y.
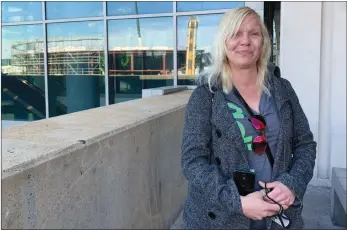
{"type": "Point", "coordinates": [238, 114]}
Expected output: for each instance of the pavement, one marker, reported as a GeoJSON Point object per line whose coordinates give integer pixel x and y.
{"type": "Point", "coordinates": [316, 211]}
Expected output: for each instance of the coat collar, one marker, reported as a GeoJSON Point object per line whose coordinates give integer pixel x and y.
{"type": "Point", "coordinates": [278, 90]}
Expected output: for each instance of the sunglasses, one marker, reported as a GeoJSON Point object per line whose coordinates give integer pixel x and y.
{"type": "Point", "coordinates": [280, 218]}
{"type": "Point", "coordinates": [259, 143]}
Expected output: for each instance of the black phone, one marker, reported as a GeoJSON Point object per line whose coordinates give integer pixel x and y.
{"type": "Point", "coordinates": [244, 182]}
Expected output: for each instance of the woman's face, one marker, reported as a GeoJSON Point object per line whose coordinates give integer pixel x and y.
{"type": "Point", "coordinates": [244, 50]}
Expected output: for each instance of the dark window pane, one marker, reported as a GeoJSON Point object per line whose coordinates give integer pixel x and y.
{"type": "Point", "coordinates": [22, 73]}
{"type": "Point", "coordinates": [130, 8]}
{"type": "Point", "coordinates": [21, 11]}
{"type": "Point", "coordinates": [60, 10]}
{"type": "Point", "coordinates": [200, 6]}
{"type": "Point", "coordinates": [193, 51]}
{"type": "Point", "coordinates": [137, 59]}
{"type": "Point", "coordinates": [75, 66]}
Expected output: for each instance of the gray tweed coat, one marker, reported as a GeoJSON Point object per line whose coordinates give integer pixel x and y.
{"type": "Point", "coordinates": [213, 200]}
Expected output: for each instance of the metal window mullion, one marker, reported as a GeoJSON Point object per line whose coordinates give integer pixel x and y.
{"type": "Point", "coordinates": [45, 65]}
{"type": "Point", "coordinates": [174, 18]}
{"type": "Point", "coordinates": [157, 15]}
{"type": "Point", "coordinates": [189, 13]}
{"type": "Point", "coordinates": [106, 54]}
{"type": "Point", "coordinates": [74, 19]}
{"type": "Point", "coordinates": [20, 23]}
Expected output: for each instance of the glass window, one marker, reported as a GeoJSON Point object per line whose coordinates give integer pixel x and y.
{"type": "Point", "coordinates": [129, 8]}
{"type": "Point", "coordinates": [195, 36]}
{"type": "Point", "coordinates": [61, 10]}
{"type": "Point", "coordinates": [140, 56]}
{"type": "Point", "coordinates": [21, 11]}
{"type": "Point", "coordinates": [200, 6]}
{"type": "Point", "coordinates": [22, 73]}
{"type": "Point", "coordinates": [75, 66]}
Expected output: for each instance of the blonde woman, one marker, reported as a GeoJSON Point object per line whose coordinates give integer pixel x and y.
{"type": "Point", "coordinates": [245, 130]}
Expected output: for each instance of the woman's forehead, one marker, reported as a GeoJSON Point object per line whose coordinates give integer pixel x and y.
{"type": "Point", "coordinates": [250, 22]}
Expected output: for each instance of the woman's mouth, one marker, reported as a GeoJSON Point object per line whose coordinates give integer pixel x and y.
{"type": "Point", "coordinates": [244, 52]}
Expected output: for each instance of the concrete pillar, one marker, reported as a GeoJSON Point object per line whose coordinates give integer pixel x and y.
{"type": "Point", "coordinates": [338, 87]}
{"type": "Point", "coordinates": [325, 89]}
{"type": "Point", "coordinates": [300, 55]}
{"type": "Point", "coordinates": [82, 92]}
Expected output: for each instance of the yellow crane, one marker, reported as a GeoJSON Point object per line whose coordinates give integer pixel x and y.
{"type": "Point", "coordinates": [191, 46]}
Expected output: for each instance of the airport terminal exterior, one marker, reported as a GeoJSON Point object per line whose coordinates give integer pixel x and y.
{"type": "Point", "coordinates": [64, 57]}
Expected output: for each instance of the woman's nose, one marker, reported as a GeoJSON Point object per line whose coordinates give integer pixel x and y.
{"type": "Point", "coordinates": [245, 40]}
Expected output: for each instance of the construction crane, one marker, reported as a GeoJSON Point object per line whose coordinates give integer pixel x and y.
{"type": "Point", "coordinates": [191, 46]}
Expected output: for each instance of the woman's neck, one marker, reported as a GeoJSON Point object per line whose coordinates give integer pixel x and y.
{"type": "Point", "coordinates": [244, 78]}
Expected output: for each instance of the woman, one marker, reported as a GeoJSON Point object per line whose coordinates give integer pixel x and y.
{"type": "Point", "coordinates": [237, 109]}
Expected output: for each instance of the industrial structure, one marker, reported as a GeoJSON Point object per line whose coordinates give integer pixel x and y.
{"type": "Point", "coordinates": [84, 56]}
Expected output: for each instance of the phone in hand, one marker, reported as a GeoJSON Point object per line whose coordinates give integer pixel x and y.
{"type": "Point", "coordinates": [244, 181]}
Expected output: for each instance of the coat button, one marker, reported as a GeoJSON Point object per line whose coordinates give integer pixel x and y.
{"type": "Point", "coordinates": [217, 161]}
{"type": "Point", "coordinates": [212, 215]}
{"type": "Point", "coordinates": [219, 133]}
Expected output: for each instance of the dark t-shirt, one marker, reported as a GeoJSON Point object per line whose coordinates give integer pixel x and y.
{"type": "Point", "coordinates": [258, 162]}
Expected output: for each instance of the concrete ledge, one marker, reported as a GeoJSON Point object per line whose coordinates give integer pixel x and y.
{"type": "Point", "coordinates": [338, 197]}
{"type": "Point", "coordinates": [112, 167]}
{"type": "Point", "coordinates": [160, 91]}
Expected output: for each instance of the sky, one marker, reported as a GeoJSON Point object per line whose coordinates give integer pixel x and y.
{"type": "Point", "coordinates": [122, 33]}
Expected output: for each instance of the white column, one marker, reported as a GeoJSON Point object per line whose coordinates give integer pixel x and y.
{"type": "Point", "coordinates": [325, 91]}
{"type": "Point", "coordinates": [338, 87]}
{"type": "Point", "coordinates": [300, 54]}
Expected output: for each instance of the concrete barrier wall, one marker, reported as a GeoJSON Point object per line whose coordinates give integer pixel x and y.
{"type": "Point", "coordinates": [111, 167]}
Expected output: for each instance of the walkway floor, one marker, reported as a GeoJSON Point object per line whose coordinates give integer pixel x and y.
{"type": "Point", "coordinates": [316, 210]}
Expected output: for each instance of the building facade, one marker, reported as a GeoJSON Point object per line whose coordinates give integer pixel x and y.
{"type": "Point", "coordinates": [64, 57]}
{"type": "Point", "coordinates": [313, 59]}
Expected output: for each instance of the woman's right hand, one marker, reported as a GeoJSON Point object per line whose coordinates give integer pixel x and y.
{"type": "Point", "coordinates": [255, 208]}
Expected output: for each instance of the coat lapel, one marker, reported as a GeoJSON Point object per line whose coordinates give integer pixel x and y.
{"type": "Point", "coordinates": [223, 121]}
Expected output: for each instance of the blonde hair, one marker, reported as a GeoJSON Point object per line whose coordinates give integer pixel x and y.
{"type": "Point", "coordinates": [219, 74]}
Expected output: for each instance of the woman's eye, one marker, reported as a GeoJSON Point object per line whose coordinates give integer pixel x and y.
{"type": "Point", "coordinates": [255, 34]}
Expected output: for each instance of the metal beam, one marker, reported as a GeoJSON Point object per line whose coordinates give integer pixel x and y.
{"type": "Point", "coordinates": [174, 18]}
{"type": "Point", "coordinates": [45, 64]}
{"type": "Point", "coordinates": [106, 54]}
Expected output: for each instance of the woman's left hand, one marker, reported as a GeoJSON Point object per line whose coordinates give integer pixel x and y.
{"type": "Point", "coordinates": [280, 193]}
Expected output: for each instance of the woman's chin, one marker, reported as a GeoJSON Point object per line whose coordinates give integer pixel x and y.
{"type": "Point", "coordinates": [246, 64]}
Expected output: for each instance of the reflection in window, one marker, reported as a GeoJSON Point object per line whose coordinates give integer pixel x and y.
{"type": "Point", "coordinates": [130, 8]}
{"type": "Point", "coordinates": [140, 56]}
{"type": "Point", "coordinates": [75, 66]}
{"type": "Point", "coordinates": [21, 11]}
{"type": "Point", "coordinates": [195, 36]}
{"type": "Point", "coordinates": [60, 10]}
{"type": "Point", "coordinates": [200, 6]}
{"type": "Point", "coordinates": [22, 73]}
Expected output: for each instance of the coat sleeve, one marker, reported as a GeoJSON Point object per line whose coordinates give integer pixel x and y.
{"type": "Point", "coordinates": [204, 179]}
{"type": "Point", "coordinates": [304, 151]}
